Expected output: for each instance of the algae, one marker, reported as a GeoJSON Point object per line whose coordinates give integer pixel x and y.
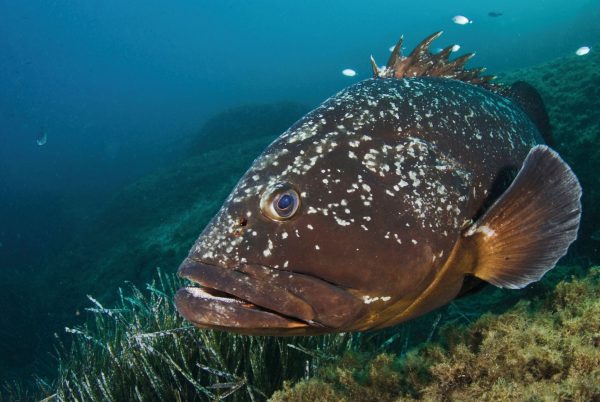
{"type": "Point", "coordinates": [541, 349]}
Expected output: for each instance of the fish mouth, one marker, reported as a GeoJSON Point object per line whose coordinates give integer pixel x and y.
{"type": "Point", "coordinates": [254, 299]}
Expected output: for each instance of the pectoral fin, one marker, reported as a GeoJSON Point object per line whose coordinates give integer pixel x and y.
{"type": "Point", "coordinates": [530, 227]}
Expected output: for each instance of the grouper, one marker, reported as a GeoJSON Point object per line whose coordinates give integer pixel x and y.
{"type": "Point", "coordinates": [390, 199]}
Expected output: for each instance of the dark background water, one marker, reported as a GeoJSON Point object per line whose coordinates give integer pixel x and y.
{"type": "Point", "coordinates": [121, 89]}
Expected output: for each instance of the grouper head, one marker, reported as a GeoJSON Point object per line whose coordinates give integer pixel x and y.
{"type": "Point", "coordinates": [310, 240]}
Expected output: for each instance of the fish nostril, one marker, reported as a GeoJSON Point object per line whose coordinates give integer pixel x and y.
{"type": "Point", "coordinates": [240, 223]}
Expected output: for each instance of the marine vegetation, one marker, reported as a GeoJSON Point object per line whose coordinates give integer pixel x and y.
{"type": "Point", "coordinates": [541, 349]}
{"type": "Point", "coordinates": [141, 349]}
{"type": "Point", "coordinates": [152, 222]}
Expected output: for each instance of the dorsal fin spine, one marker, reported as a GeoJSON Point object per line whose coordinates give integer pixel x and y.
{"type": "Point", "coordinates": [422, 63]}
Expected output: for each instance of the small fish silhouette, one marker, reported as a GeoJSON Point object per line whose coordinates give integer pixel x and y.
{"type": "Point", "coordinates": [41, 138]}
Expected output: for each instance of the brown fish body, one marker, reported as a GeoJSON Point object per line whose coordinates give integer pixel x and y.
{"type": "Point", "coordinates": [386, 179]}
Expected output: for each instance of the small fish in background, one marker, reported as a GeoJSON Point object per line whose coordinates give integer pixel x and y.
{"type": "Point", "coordinates": [461, 20]}
{"type": "Point", "coordinates": [494, 14]}
{"type": "Point", "coordinates": [41, 138]}
{"type": "Point", "coordinates": [348, 72]}
{"type": "Point", "coordinates": [583, 50]}
{"type": "Point", "coordinates": [455, 48]}
{"type": "Point", "coordinates": [383, 204]}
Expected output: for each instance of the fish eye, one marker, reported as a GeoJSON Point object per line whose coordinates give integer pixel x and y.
{"type": "Point", "coordinates": [280, 202]}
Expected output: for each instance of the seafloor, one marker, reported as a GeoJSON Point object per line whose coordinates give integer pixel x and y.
{"type": "Point", "coordinates": [546, 346]}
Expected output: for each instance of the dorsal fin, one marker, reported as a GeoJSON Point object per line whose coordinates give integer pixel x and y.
{"type": "Point", "coordinates": [422, 63]}
{"type": "Point", "coordinates": [529, 99]}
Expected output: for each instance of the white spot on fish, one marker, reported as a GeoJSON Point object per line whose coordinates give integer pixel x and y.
{"type": "Point", "coordinates": [310, 226]}
{"type": "Point", "coordinates": [341, 221]}
{"type": "Point", "coordinates": [368, 299]}
{"type": "Point", "coordinates": [486, 230]}
{"type": "Point", "coordinates": [413, 177]}
{"type": "Point", "coordinates": [317, 247]}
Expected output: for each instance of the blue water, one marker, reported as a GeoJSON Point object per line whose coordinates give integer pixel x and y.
{"type": "Point", "coordinates": [119, 88]}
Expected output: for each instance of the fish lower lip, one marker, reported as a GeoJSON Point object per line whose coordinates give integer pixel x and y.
{"type": "Point", "coordinates": [233, 299]}
{"type": "Point", "coordinates": [208, 308]}
{"type": "Point", "coordinates": [251, 296]}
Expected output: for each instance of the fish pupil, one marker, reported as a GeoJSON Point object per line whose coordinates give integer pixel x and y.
{"type": "Point", "coordinates": [285, 201]}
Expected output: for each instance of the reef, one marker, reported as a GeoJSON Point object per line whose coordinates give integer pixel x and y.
{"type": "Point", "coordinates": [153, 222]}
{"type": "Point", "coordinates": [570, 87]}
{"type": "Point", "coordinates": [242, 123]}
{"type": "Point", "coordinates": [542, 349]}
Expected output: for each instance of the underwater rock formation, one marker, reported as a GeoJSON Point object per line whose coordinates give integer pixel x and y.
{"type": "Point", "coordinates": [545, 349]}
{"type": "Point", "coordinates": [570, 87]}
{"type": "Point", "coordinates": [242, 123]}
{"type": "Point", "coordinates": [153, 222]}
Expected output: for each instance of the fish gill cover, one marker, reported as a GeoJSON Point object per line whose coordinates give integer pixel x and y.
{"type": "Point", "coordinates": [128, 334]}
